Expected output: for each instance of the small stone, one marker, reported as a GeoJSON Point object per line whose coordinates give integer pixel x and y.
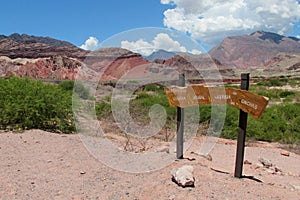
{"type": "Point", "coordinates": [247, 162]}
{"type": "Point", "coordinates": [257, 166]}
{"type": "Point", "coordinates": [296, 187]}
{"type": "Point", "coordinates": [266, 163]}
{"type": "Point", "coordinates": [285, 153]}
{"type": "Point", "coordinates": [82, 172]}
{"type": "Point", "coordinates": [270, 171]}
{"type": "Point", "coordinates": [183, 176]}
{"type": "Point", "coordinates": [277, 169]}
{"type": "Point", "coordinates": [208, 157]}
{"type": "Point", "coordinates": [290, 174]}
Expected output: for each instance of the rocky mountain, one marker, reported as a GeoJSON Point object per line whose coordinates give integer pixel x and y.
{"type": "Point", "coordinates": [198, 66]}
{"type": "Point", "coordinates": [36, 39]}
{"type": "Point", "coordinates": [281, 64]}
{"type": "Point", "coordinates": [113, 63]}
{"type": "Point", "coordinates": [54, 67]}
{"type": "Point", "coordinates": [256, 49]}
{"type": "Point", "coordinates": [262, 53]}
{"type": "Point", "coordinates": [47, 58]}
{"type": "Point", "coordinates": [160, 54]}
{"type": "Point", "coordinates": [25, 46]}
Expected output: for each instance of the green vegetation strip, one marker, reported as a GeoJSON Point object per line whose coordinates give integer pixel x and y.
{"type": "Point", "coordinates": [32, 104]}
{"type": "Point", "coordinates": [279, 123]}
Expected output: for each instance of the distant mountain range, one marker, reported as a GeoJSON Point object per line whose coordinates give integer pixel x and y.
{"type": "Point", "coordinates": [161, 55]}
{"type": "Point", "coordinates": [262, 53]}
{"type": "Point", "coordinates": [253, 50]}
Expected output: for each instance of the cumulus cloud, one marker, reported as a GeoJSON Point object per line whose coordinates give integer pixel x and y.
{"type": "Point", "coordinates": [195, 52]}
{"type": "Point", "coordinates": [212, 20]}
{"type": "Point", "coordinates": [90, 44]}
{"type": "Point", "coordinates": [160, 41]}
{"type": "Point", "coordinates": [139, 46]}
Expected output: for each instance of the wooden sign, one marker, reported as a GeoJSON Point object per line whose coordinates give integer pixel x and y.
{"type": "Point", "coordinates": [193, 95]}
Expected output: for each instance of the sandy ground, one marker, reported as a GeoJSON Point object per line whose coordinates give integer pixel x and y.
{"type": "Point", "coordinates": [42, 165]}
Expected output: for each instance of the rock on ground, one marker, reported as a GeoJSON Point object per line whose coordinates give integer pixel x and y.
{"type": "Point", "coordinates": [183, 176]}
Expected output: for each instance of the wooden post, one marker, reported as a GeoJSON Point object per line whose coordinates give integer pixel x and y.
{"type": "Point", "coordinates": [180, 123]}
{"type": "Point", "coordinates": [241, 132]}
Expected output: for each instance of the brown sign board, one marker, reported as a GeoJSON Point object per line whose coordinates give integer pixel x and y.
{"type": "Point", "coordinates": [193, 95]}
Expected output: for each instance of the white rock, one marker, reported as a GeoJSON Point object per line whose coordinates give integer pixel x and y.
{"type": "Point", "coordinates": [266, 163]}
{"type": "Point", "coordinates": [183, 176]}
{"type": "Point", "coordinates": [296, 187]}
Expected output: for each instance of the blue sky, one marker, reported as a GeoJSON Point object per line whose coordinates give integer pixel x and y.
{"type": "Point", "coordinates": [76, 20]}
{"type": "Point", "coordinates": [206, 21]}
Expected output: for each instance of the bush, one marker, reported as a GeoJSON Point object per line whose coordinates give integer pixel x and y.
{"type": "Point", "coordinates": [273, 82]}
{"type": "Point", "coordinates": [82, 92]}
{"type": "Point", "coordinates": [141, 105]}
{"type": "Point", "coordinates": [152, 87]}
{"type": "Point", "coordinates": [103, 110]}
{"type": "Point", "coordinates": [279, 123]}
{"type": "Point", "coordinates": [67, 85]}
{"type": "Point", "coordinates": [28, 104]}
{"type": "Point", "coordinates": [284, 94]}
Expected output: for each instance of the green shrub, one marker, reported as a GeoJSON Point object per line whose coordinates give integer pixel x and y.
{"type": "Point", "coordinates": [67, 85]}
{"type": "Point", "coordinates": [82, 92]}
{"type": "Point", "coordinates": [273, 82]}
{"type": "Point", "coordinates": [29, 104]}
{"type": "Point", "coordinates": [279, 123]}
{"type": "Point", "coordinates": [141, 105]}
{"type": "Point", "coordinates": [284, 94]}
{"type": "Point", "coordinates": [103, 110]}
{"type": "Point", "coordinates": [152, 87]}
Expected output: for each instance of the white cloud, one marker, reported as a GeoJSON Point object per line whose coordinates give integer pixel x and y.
{"type": "Point", "coordinates": [212, 20]}
{"type": "Point", "coordinates": [195, 52]}
{"type": "Point", "coordinates": [90, 44]}
{"type": "Point", "coordinates": [139, 46]}
{"type": "Point", "coordinates": [165, 1]}
{"type": "Point", "coordinates": [164, 41]}
{"type": "Point", "coordinates": [161, 41]}
{"type": "Point", "coordinates": [298, 36]}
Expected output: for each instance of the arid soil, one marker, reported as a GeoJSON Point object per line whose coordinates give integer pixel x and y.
{"type": "Point", "coordinates": [41, 165]}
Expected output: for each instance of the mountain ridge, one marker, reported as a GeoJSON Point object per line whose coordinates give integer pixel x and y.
{"type": "Point", "coordinates": [48, 58]}
{"type": "Point", "coordinates": [160, 54]}
{"type": "Point", "coordinates": [25, 46]}
{"type": "Point", "coordinates": [36, 39]}
{"type": "Point", "coordinates": [254, 49]}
